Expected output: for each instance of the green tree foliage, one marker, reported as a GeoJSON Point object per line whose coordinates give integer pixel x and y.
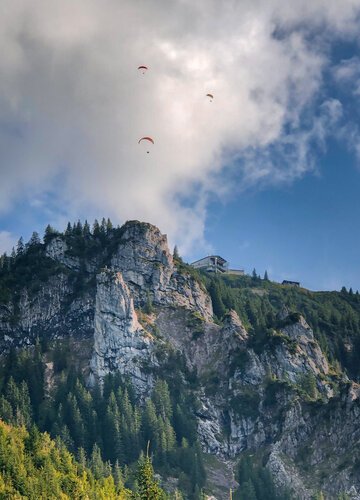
{"type": "Point", "coordinates": [319, 496]}
{"type": "Point", "coordinates": [49, 234]}
{"type": "Point", "coordinates": [307, 383]}
{"type": "Point", "coordinates": [32, 466]}
{"type": "Point", "coordinates": [149, 488]}
{"type": "Point", "coordinates": [217, 302]}
{"type": "Point", "coordinates": [256, 483]}
{"type": "Point", "coordinates": [106, 431]}
{"type": "Point", "coordinates": [20, 246]}
{"type": "Point", "coordinates": [333, 316]}
{"type": "Point", "coordinates": [148, 307]}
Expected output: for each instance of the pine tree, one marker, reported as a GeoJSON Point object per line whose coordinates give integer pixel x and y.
{"type": "Point", "coordinates": [161, 399]}
{"type": "Point", "coordinates": [117, 475]}
{"type": "Point", "coordinates": [34, 240]}
{"type": "Point", "coordinates": [248, 491]}
{"type": "Point", "coordinates": [68, 230]}
{"type": "Point", "coordinates": [49, 234]}
{"type": "Point", "coordinates": [81, 457]}
{"type": "Point", "coordinates": [217, 303]}
{"type": "Point", "coordinates": [109, 227]}
{"type": "Point", "coordinates": [96, 229]}
{"type": "Point", "coordinates": [176, 253]}
{"type": "Point", "coordinates": [148, 307]}
{"type": "Point", "coordinates": [96, 463]}
{"type": "Point", "coordinates": [103, 226]}
{"type": "Point", "coordinates": [150, 423]}
{"type": "Point", "coordinates": [86, 229]}
{"type": "Point", "coordinates": [266, 277]}
{"type": "Point", "coordinates": [149, 488]}
{"type": "Point", "coordinates": [20, 246]}
{"type": "Point", "coordinates": [78, 229]}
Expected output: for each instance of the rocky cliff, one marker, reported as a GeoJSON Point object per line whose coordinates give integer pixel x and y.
{"type": "Point", "coordinates": [281, 399]}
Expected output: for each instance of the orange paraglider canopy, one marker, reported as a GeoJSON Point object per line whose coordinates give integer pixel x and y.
{"type": "Point", "coordinates": [210, 95]}
{"type": "Point", "coordinates": [147, 139]}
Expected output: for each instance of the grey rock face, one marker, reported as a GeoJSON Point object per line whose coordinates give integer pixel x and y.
{"type": "Point", "coordinates": [247, 397]}
{"type": "Point", "coordinates": [53, 310]}
{"type": "Point", "coordinates": [120, 342]}
{"type": "Point", "coordinates": [307, 357]}
{"type": "Point", "coordinates": [286, 474]}
{"type": "Point", "coordinates": [57, 250]}
{"type": "Point", "coordinates": [246, 384]}
{"type": "Point", "coordinates": [147, 266]}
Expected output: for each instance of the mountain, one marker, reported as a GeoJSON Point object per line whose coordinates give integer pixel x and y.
{"type": "Point", "coordinates": [107, 339]}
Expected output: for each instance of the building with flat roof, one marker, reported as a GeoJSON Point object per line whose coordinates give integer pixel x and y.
{"type": "Point", "coordinates": [212, 264]}
{"type": "Point", "coordinates": [291, 283]}
{"type": "Point", "coordinates": [215, 264]}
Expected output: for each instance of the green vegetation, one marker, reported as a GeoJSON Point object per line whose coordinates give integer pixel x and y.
{"type": "Point", "coordinates": [108, 430]}
{"type": "Point", "coordinates": [333, 316]}
{"type": "Point", "coordinates": [33, 466]}
{"type": "Point", "coordinates": [28, 267]}
{"type": "Point", "coordinates": [112, 426]}
{"type": "Point", "coordinates": [256, 483]}
{"type": "Point", "coordinates": [307, 383]}
{"type": "Point", "coordinates": [246, 403]}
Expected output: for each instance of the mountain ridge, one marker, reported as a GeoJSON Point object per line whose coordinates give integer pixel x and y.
{"type": "Point", "coordinates": [261, 376]}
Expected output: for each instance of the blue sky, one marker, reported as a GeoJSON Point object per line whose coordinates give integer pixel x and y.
{"type": "Point", "coordinates": [267, 174]}
{"type": "Point", "coordinates": [306, 232]}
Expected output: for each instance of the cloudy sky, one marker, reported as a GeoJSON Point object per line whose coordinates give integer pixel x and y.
{"type": "Point", "coordinates": [267, 174]}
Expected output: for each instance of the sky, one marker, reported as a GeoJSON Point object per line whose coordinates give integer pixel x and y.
{"type": "Point", "coordinates": [266, 174]}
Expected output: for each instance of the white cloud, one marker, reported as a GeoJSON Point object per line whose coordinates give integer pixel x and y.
{"type": "Point", "coordinates": [73, 104]}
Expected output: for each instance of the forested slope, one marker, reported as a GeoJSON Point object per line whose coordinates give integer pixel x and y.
{"type": "Point", "coordinates": [108, 342]}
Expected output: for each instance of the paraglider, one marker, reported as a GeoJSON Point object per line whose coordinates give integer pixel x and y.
{"type": "Point", "coordinates": [211, 97]}
{"type": "Point", "coordinates": [146, 139]}
{"type": "Point", "coordinates": [144, 68]}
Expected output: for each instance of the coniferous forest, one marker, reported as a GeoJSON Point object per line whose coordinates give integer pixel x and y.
{"type": "Point", "coordinates": [66, 439]}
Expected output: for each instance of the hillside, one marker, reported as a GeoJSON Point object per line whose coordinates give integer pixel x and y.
{"type": "Point", "coordinates": [108, 340]}
{"type": "Point", "coordinates": [33, 466]}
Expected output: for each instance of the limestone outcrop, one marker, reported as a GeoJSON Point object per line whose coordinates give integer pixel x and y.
{"type": "Point", "coordinates": [281, 397]}
{"type": "Point", "coordinates": [143, 258]}
{"type": "Point", "coordinates": [120, 342]}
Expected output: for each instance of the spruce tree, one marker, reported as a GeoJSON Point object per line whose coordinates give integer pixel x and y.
{"type": "Point", "coordinates": [161, 399]}
{"type": "Point", "coordinates": [149, 488]}
{"type": "Point", "coordinates": [78, 229]}
{"type": "Point", "coordinates": [86, 229]}
{"type": "Point", "coordinates": [109, 226]}
{"type": "Point", "coordinates": [148, 307]}
{"type": "Point", "coordinates": [103, 226]}
{"type": "Point", "coordinates": [217, 303]}
{"type": "Point", "coordinates": [49, 234]}
{"type": "Point", "coordinates": [96, 463]}
{"type": "Point", "coordinates": [117, 475]}
{"type": "Point", "coordinates": [68, 230]}
{"type": "Point", "coordinates": [20, 246]}
{"type": "Point", "coordinates": [96, 229]}
{"type": "Point", "coordinates": [34, 240]}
